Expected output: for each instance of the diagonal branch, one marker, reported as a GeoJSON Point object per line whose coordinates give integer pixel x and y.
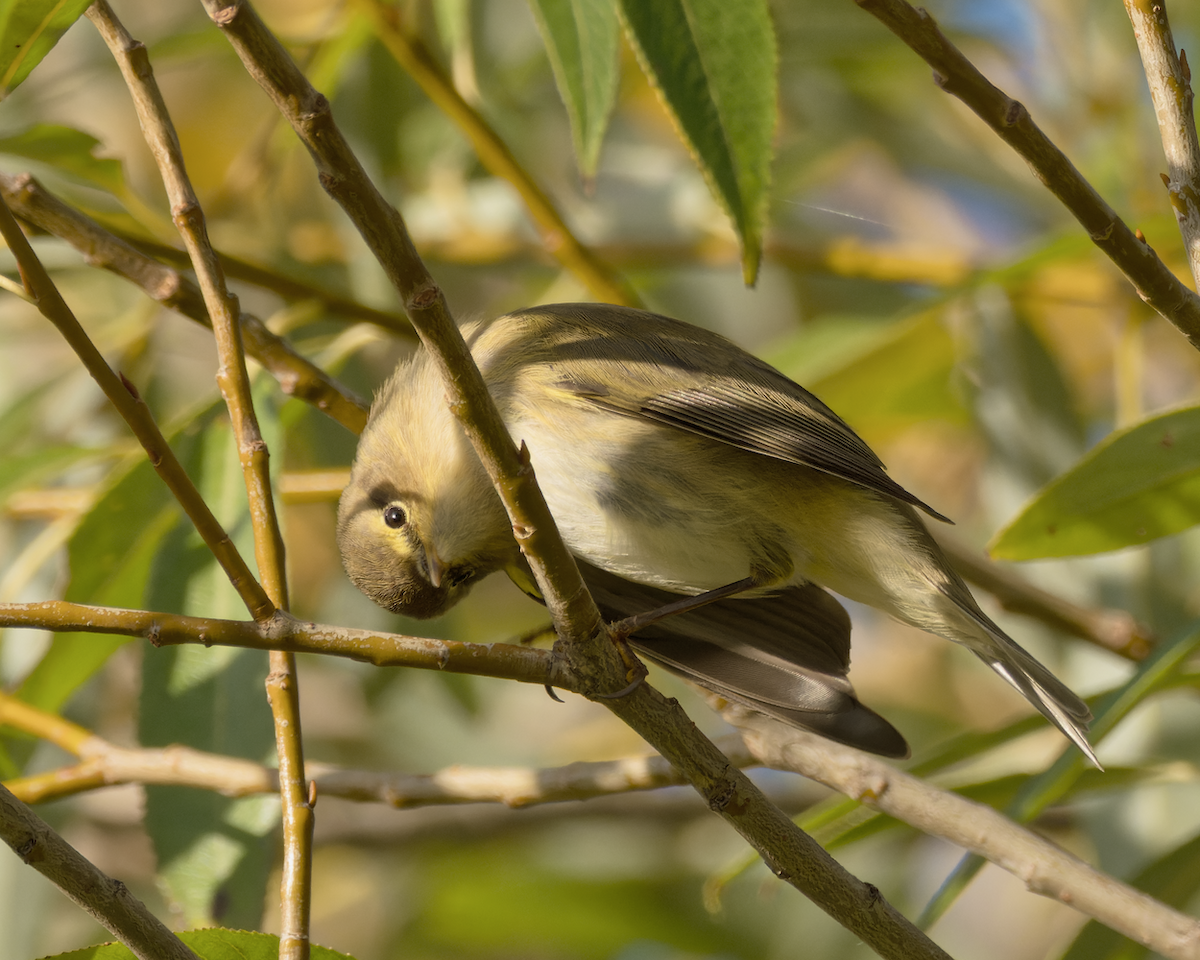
{"type": "Point", "coordinates": [1044, 867]}
{"type": "Point", "coordinates": [955, 74]}
{"type": "Point", "coordinates": [1170, 81]}
{"type": "Point", "coordinates": [107, 900]}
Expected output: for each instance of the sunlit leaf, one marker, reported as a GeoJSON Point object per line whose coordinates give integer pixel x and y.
{"type": "Point", "coordinates": [29, 29]}
{"type": "Point", "coordinates": [581, 41]}
{"type": "Point", "coordinates": [714, 65]}
{"type": "Point", "coordinates": [1139, 483]}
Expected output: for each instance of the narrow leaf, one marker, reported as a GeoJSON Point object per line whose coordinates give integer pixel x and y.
{"type": "Point", "coordinates": [581, 42]}
{"type": "Point", "coordinates": [713, 63]}
{"type": "Point", "coordinates": [1139, 483]}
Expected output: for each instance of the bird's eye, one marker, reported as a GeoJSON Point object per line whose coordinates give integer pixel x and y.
{"type": "Point", "coordinates": [459, 576]}
{"type": "Point", "coordinates": [394, 517]}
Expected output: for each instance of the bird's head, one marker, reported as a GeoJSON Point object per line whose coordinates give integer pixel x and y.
{"type": "Point", "coordinates": [419, 522]}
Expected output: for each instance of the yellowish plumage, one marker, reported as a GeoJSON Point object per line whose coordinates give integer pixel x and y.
{"type": "Point", "coordinates": [670, 458]}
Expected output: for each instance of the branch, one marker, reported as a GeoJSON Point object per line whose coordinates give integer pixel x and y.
{"type": "Point", "coordinates": [282, 631]}
{"type": "Point", "coordinates": [420, 64]}
{"type": "Point", "coordinates": [1043, 867]}
{"type": "Point", "coordinates": [1170, 81]}
{"type": "Point", "coordinates": [955, 74]}
{"type": "Point", "coordinates": [122, 394]}
{"type": "Point", "coordinates": [297, 376]}
{"type": "Point", "coordinates": [107, 900]}
{"type": "Point", "coordinates": [234, 381]}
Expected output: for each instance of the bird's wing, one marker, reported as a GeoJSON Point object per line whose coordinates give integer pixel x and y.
{"type": "Point", "coordinates": [785, 655]}
{"type": "Point", "coordinates": [648, 366]}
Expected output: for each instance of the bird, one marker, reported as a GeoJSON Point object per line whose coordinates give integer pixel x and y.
{"type": "Point", "coordinates": [674, 463]}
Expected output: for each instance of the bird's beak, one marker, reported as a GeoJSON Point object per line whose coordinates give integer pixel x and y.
{"type": "Point", "coordinates": [434, 567]}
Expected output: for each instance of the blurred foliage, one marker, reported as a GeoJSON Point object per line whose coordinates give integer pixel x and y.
{"type": "Point", "coordinates": [915, 276]}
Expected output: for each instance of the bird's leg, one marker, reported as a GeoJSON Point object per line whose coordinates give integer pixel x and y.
{"type": "Point", "coordinates": [630, 625]}
{"type": "Point", "coordinates": [621, 630]}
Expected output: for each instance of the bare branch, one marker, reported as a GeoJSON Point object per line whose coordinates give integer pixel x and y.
{"type": "Point", "coordinates": [955, 74]}
{"type": "Point", "coordinates": [284, 632]}
{"type": "Point", "coordinates": [1043, 867]}
{"type": "Point", "coordinates": [107, 900]}
{"type": "Point", "coordinates": [1170, 81]}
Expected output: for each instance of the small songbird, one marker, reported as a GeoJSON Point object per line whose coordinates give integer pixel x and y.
{"type": "Point", "coordinates": [674, 462]}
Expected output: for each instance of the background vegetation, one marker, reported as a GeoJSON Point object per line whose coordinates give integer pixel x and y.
{"type": "Point", "coordinates": [916, 277]}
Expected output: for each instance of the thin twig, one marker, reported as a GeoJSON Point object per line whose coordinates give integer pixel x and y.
{"type": "Point", "coordinates": [234, 381]}
{"type": "Point", "coordinates": [297, 376]}
{"type": "Point", "coordinates": [557, 238]}
{"type": "Point", "coordinates": [1170, 81]}
{"type": "Point", "coordinates": [122, 394]}
{"type": "Point", "coordinates": [1043, 867]}
{"type": "Point", "coordinates": [282, 631]}
{"type": "Point", "coordinates": [106, 764]}
{"type": "Point", "coordinates": [955, 74]}
{"type": "Point", "coordinates": [107, 900]}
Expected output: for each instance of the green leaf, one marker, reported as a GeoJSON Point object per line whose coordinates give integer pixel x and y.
{"type": "Point", "coordinates": [1172, 879]}
{"type": "Point", "coordinates": [581, 42]}
{"type": "Point", "coordinates": [29, 29]}
{"type": "Point", "coordinates": [70, 151]}
{"type": "Point", "coordinates": [713, 63]}
{"type": "Point", "coordinates": [1139, 483]}
{"type": "Point", "coordinates": [214, 943]}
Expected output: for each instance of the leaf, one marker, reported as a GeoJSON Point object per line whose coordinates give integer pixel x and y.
{"type": "Point", "coordinates": [581, 42]}
{"type": "Point", "coordinates": [1172, 879]}
{"type": "Point", "coordinates": [1137, 484]}
{"type": "Point", "coordinates": [29, 29]}
{"type": "Point", "coordinates": [713, 64]}
{"type": "Point", "coordinates": [71, 152]}
{"type": "Point", "coordinates": [214, 943]}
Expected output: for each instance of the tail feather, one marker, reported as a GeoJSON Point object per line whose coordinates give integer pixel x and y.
{"type": "Point", "coordinates": [1053, 698]}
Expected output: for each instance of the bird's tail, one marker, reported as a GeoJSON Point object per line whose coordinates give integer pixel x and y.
{"type": "Point", "coordinates": [1056, 701]}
